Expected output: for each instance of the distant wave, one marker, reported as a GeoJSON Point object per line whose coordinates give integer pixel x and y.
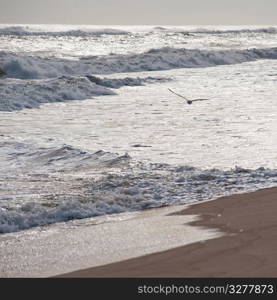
{"type": "Point", "coordinates": [27, 66]}
{"type": "Point", "coordinates": [207, 30]}
{"type": "Point", "coordinates": [136, 186]}
{"type": "Point", "coordinates": [270, 30]}
{"type": "Point", "coordinates": [54, 30]}
{"type": "Point", "coordinates": [32, 31]}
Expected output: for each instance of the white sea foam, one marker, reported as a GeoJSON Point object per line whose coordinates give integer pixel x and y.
{"type": "Point", "coordinates": [19, 94]}
{"type": "Point", "coordinates": [136, 187]}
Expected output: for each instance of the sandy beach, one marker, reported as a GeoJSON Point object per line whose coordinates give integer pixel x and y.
{"type": "Point", "coordinates": [65, 247]}
{"type": "Point", "coordinates": [247, 249]}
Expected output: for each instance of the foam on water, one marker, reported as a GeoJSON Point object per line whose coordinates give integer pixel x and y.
{"type": "Point", "coordinates": [19, 94]}
{"type": "Point", "coordinates": [136, 186]}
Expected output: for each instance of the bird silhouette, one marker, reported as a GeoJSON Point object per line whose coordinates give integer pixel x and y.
{"type": "Point", "coordinates": [189, 101]}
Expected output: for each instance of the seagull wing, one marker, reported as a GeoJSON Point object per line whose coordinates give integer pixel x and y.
{"type": "Point", "coordinates": [178, 95]}
{"type": "Point", "coordinates": [200, 99]}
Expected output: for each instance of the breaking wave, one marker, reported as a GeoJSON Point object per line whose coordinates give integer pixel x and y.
{"type": "Point", "coordinates": [18, 94]}
{"type": "Point", "coordinates": [28, 80]}
{"type": "Point", "coordinates": [33, 67]}
{"type": "Point", "coordinates": [136, 186]}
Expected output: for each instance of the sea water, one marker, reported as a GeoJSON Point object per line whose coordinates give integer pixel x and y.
{"type": "Point", "coordinates": [89, 128]}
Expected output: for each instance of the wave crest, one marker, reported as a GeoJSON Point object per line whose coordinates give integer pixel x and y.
{"type": "Point", "coordinates": [40, 31]}
{"type": "Point", "coordinates": [26, 66]}
{"type": "Point", "coordinates": [18, 94]}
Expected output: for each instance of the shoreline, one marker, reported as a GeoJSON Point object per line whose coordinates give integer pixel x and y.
{"type": "Point", "coordinates": [247, 249]}
{"type": "Point", "coordinates": [65, 247]}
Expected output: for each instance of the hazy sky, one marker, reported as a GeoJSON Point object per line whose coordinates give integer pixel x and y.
{"type": "Point", "coordinates": [139, 12]}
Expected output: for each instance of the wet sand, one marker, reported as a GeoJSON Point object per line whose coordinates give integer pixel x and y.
{"type": "Point", "coordinates": [65, 247]}
{"type": "Point", "coordinates": [248, 248]}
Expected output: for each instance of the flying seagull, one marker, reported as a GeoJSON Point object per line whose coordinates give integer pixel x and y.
{"type": "Point", "coordinates": [188, 100]}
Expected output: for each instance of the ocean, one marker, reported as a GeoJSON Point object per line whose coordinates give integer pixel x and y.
{"type": "Point", "coordinates": [89, 128]}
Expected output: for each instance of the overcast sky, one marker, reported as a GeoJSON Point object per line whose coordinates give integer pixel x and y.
{"type": "Point", "coordinates": [140, 12]}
